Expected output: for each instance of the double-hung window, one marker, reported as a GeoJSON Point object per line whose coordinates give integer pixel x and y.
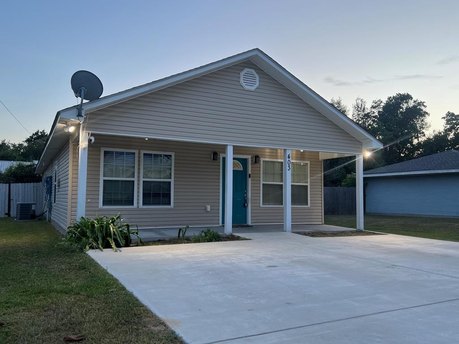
{"type": "Point", "coordinates": [272, 183]}
{"type": "Point", "coordinates": [300, 183]}
{"type": "Point", "coordinates": [119, 178]}
{"type": "Point", "coordinates": [157, 179]}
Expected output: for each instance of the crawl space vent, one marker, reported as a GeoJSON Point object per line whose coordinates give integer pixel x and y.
{"type": "Point", "coordinates": [249, 79]}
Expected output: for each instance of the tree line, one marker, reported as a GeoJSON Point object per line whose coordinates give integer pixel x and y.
{"type": "Point", "coordinates": [27, 151]}
{"type": "Point", "coordinates": [400, 123]}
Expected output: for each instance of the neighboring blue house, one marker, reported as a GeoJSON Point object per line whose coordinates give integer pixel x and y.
{"type": "Point", "coordinates": [424, 186]}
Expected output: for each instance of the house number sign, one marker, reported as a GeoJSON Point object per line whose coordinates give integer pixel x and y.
{"type": "Point", "coordinates": [289, 163]}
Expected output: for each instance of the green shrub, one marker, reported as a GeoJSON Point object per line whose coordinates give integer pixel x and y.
{"type": "Point", "coordinates": [100, 232]}
{"type": "Point", "coordinates": [207, 235]}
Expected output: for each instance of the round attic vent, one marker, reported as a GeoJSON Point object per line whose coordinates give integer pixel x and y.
{"type": "Point", "coordinates": [249, 79]}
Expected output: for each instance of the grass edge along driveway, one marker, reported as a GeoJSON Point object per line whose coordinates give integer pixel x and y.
{"type": "Point", "coordinates": [48, 292]}
{"type": "Point", "coordinates": [441, 228]}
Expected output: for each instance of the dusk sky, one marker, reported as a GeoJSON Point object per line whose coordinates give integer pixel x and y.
{"type": "Point", "coordinates": [347, 49]}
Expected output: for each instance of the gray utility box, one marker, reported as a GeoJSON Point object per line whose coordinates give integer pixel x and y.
{"type": "Point", "coordinates": [25, 211]}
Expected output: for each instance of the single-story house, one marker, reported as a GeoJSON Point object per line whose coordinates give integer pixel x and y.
{"type": "Point", "coordinates": [424, 186]}
{"type": "Point", "coordinates": [237, 141]}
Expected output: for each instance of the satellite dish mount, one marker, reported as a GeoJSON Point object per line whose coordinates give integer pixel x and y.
{"type": "Point", "coordinates": [86, 86]}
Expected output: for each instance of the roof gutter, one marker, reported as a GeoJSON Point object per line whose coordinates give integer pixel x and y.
{"type": "Point", "coordinates": [413, 173]}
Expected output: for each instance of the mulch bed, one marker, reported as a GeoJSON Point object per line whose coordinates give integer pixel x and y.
{"type": "Point", "coordinates": [319, 234]}
{"type": "Point", "coordinates": [175, 241]}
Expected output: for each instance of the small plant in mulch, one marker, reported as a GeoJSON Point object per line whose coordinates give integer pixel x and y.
{"type": "Point", "coordinates": [323, 234]}
{"type": "Point", "coordinates": [182, 232]}
{"type": "Point", "coordinates": [207, 235]}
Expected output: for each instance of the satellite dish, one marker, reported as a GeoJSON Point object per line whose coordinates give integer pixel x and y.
{"type": "Point", "coordinates": [86, 86]}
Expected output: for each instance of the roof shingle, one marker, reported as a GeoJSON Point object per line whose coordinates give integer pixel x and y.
{"type": "Point", "coordinates": [448, 160]}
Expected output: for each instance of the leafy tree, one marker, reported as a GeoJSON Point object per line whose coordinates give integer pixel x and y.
{"type": "Point", "coordinates": [402, 122]}
{"type": "Point", "coordinates": [451, 129]}
{"type": "Point", "coordinates": [349, 180]}
{"type": "Point", "coordinates": [34, 145]}
{"type": "Point", "coordinates": [30, 149]}
{"type": "Point", "coordinates": [399, 123]}
{"type": "Point", "coordinates": [367, 116]}
{"type": "Point", "coordinates": [335, 170]}
{"type": "Point", "coordinates": [20, 173]}
{"type": "Point", "coordinates": [448, 138]}
{"type": "Point", "coordinates": [451, 126]}
{"type": "Point", "coordinates": [436, 143]}
{"type": "Point", "coordinates": [339, 105]}
{"type": "Point", "coordinates": [8, 151]}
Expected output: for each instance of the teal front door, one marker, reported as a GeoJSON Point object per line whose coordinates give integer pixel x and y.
{"type": "Point", "coordinates": [240, 192]}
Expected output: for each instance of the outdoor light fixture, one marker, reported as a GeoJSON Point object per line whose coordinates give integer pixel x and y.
{"type": "Point", "coordinates": [256, 159]}
{"type": "Point", "coordinates": [367, 154]}
{"type": "Point", "coordinates": [69, 129]}
{"type": "Point", "coordinates": [214, 156]}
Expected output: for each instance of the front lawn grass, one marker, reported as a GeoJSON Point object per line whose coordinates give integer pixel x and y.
{"type": "Point", "coordinates": [48, 292]}
{"type": "Point", "coordinates": [424, 227]}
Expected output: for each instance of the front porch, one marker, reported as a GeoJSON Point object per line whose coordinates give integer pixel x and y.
{"type": "Point", "coordinates": [156, 183]}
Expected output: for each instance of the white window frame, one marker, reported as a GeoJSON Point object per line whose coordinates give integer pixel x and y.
{"type": "Point", "coordinates": [275, 183]}
{"type": "Point", "coordinates": [158, 180]}
{"type": "Point", "coordinates": [102, 178]}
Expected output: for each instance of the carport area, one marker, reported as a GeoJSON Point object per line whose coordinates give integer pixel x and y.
{"type": "Point", "coordinates": [288, 288]}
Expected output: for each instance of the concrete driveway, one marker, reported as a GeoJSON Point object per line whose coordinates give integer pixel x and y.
{"type": "Point", "coordinates": [287, 288]}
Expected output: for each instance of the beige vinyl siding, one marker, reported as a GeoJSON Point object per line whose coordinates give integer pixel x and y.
{"type": "Point", "coordinates": [59, 212]}
{"type": "Point", "coordinates": [216, 109]}
{"type": "Point", "coordinates": [197, 183]}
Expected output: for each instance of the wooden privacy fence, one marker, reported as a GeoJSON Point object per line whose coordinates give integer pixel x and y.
{"type": "Point", "coordinates": [20, 192]}
{"type": "Point", "coordinates": [339, 201]}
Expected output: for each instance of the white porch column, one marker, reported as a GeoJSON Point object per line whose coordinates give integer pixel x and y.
{"type": "Point", "coordinates": [287, 190]}
{"type": "Point", "coordinates": [82, 173]}
{"type": "Point", "coordinates": [359, 192]}
{"type": "Point", "coordinates": [229, 190]}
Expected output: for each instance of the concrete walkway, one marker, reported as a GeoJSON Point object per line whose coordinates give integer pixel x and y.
{"type": "Point", "coordinates": [288, 288]}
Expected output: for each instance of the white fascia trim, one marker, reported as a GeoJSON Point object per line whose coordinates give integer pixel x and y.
{"type": "Point", "coordinates": [409, 173]}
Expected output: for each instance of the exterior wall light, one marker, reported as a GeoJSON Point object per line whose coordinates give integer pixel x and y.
{"type": "Point", "coordinates": [214, 156]}
{"type": "Point", "coordinates": [69, 128]}
{"type": "Point", "coordinates": [367, 154]}
{"type": "Point", "coordinates": [256, 159]}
